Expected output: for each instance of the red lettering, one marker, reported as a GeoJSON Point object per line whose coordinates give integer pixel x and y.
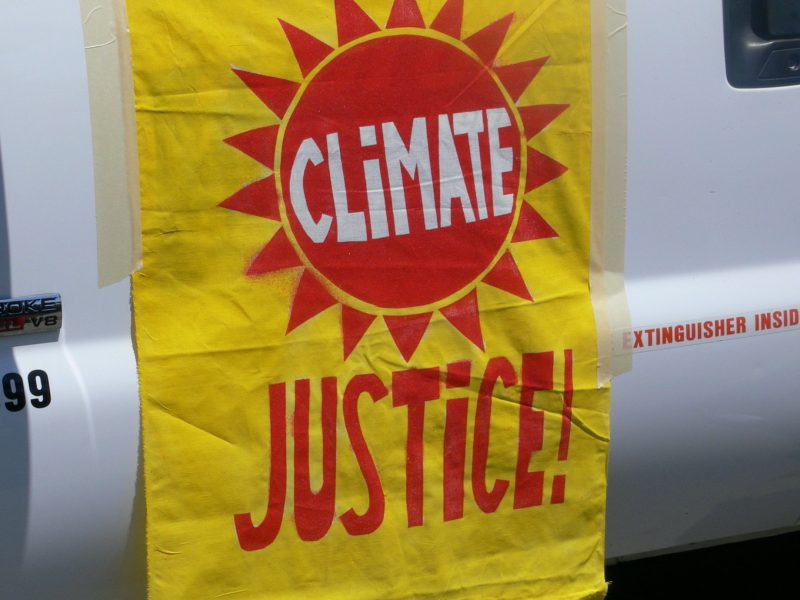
{"type": "Point", "coordinates": [741, 325]}
{"type": "Point", "coordinates": [313, 512]}
{"type": "Point", "coordinates": [719, 328]}
{"type": "Point", "coordinates": [498, 369]}
{"type": "Point", "coordinates": [559, 489]}
{"type": "Point", "coordinates": [354, 523]}
{"type": "Point", "coordinates": [413, 389]}
{"type": "Point", "coordinates": [12, 324]}
{"type": "Point", "coordinates": [455, 442]}
{"type": "Point", "coordinates": [537, 375]}
{"type": "Point", "coordinates": [458, 374]}
{"type": "Point", "coordinates": [256, 538]}
{"type": "Point", "coordinates": [638, 343]}
{"type": "Point", "coordinates": [455, 452]}
{"type": "Point", "coordinates": [626, 340]}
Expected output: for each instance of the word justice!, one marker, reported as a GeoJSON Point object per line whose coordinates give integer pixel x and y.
{"type": "Point", "coordinates": [314, 512]}
{"type": "Point", "coordinates": [415, 159]}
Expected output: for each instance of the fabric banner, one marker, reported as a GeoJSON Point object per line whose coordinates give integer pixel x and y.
{"type": "Point", "coordinates": [366, 339]}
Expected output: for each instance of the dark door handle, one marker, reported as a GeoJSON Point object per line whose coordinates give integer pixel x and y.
{"type": "Point", "coordinates": [762, 42]}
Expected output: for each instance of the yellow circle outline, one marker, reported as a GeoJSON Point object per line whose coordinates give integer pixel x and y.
{"type": "Point", "coordinates": [338, 293]}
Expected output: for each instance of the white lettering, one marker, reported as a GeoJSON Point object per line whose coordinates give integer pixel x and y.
{"type": "Point", "coordinates": [471, 124]}
{"type": "Point", "coordinates": [416, 161]}
{"type": "Point", "coordinates": [402, 161]}
{"type": "Point", "coordinates": [350, 226]}
{"type": "Point", "coordinates": [501, 160]}
{"type": "Point", "coordinates": [308, 152]}
{"type": "Point", "coordinates": [451, 177]}
{"type": "Point", "coordinates": [378, 221]}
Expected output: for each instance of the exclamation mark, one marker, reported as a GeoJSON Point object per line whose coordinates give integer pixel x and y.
{"type": "Point", "coordinates": [560, 481]}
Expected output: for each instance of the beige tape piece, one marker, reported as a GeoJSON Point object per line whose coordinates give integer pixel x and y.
{"type": "Point", "coordinates": [116, 169]}
{"type": "Point", "coordinates": [609, 169]}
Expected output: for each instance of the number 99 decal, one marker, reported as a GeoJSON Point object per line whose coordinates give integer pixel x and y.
{"type": "Point", "coordinates": [16, 395]}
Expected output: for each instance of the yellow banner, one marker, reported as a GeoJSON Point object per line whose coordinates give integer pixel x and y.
{"type": "Point", "coordinates": [366, 341]}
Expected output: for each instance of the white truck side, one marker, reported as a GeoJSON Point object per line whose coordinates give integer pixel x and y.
{"type": "Point", "coordinates": [706, 437]}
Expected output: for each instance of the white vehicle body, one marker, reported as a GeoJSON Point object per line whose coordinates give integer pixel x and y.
{"type": "Point", "coordinates": [706, 437]}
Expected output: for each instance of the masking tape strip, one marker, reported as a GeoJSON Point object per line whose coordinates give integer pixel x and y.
{"type": "Point", "coordinates": [116, 169]}
{"type": "Point", "coordinates": [609, 169]}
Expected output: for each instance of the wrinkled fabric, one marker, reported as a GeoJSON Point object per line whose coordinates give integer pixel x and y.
{"type": "Point", "coordinates": [308, 430]}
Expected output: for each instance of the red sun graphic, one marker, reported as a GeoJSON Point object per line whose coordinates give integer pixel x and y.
{"type": "Point", "coordinates": [400, 169]}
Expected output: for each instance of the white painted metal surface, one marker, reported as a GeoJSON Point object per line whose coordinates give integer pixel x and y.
{"type": "Point", "coordinates": [70, 525]}
{"type": "Point", "coordinates": [705, 438]}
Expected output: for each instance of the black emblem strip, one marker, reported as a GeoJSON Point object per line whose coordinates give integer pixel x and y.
{"type": "Point", "coordinates": [30, 314]}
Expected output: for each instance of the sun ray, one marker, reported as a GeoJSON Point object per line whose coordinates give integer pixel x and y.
{"type": "Point", "coordinates": [532, 226]}
{"type": "Point", "coordinates": [506, 276]}
{"type": "Point", "coordinates": [352, 22]}
{"type": "Point", "coordinates": [310, 300]}
{"type": "Point", "coordinates": [450, 18]}
{"type": "Point", "coordinates": [486, 42]}
{"type": "Point", "coordinates": [258, 144]}
{"type": "Point", "coordinates": [277, 94]}
{"type": "Point", "coordinates": [278, 254]}
{"type": "Point", "coordinates": [405, 13]}
{"type": "Point", "coordinates": [308, 50]}
{"type": "Point", "coordinates": [407, 331]}
{"type": "Point", "coordinates": [464, 316]}
{"type": "Point", "coordinates": [541, 169]}
{"type": "Point", "coordinates": [259, 199]}
{"type": "Point", "coordinates": [354, 326]}
{"type": "Point", "coordinates": [517, 77]}
{"type": "Point", "coordinates": [536, 118]}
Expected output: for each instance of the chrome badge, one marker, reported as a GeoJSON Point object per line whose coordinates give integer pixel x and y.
{"type": "Point", "coordinates": [30, 314]}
